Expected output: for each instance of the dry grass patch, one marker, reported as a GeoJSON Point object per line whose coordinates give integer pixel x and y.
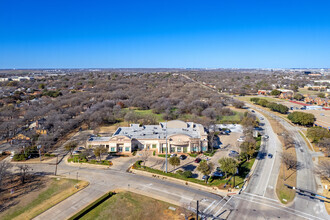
{"type": "Point", "coordinates": [46, 194]}
{"type": "Point", "coordinates": [325, 182]}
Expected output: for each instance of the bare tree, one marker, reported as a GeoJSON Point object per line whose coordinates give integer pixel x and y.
{"type": "Point", "coordinates": [323, 169]}
{"type": "Point", "coordinates": [325, 144]}
{"type": "Point", "coordinates": [145, 154]}
{"type": "Point", "coordinates": [289, 161]}
{"type": "Point", "coordinates": [288, 141]}
{"type": "Point", "coordinates": [4, 172]}
{"type": "Point", "coordinates": [23, 172]}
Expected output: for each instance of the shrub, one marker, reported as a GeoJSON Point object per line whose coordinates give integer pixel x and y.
{"type": "Point", "coordinates": [193, 154]}
{"type": "Point", "coordinates": [179, 172]}
{"type": "Point", "coordinates": [19, 157]}
{"type": "Point", "coordinates": [154, 153]}
{"type": "Point", "coordinates": [187, 174]}
{"type": "Point", "coordinates": [275, 92]}
{"type": "Point", "coordinates": [302, 118]}
{"type": "Point", "coordinates": [317, 133]}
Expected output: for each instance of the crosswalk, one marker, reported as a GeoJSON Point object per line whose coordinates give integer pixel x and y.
{"type": "Point", "coordinates": [214, 209]}
{"type": "Point", "coordinates": [221, 208]}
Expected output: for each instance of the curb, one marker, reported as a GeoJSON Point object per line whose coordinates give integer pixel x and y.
{"type": "Point", "coordinates": [213, 190]}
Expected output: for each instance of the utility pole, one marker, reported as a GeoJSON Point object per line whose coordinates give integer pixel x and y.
{"type": "Point", "coordinates": [56, 164]}
{"type": "Point", "coordinates": [39, 147]}
{"type": "Point", "coordinates": [166, 148]}
{"type": "Point", "coordinates": [197, 212]}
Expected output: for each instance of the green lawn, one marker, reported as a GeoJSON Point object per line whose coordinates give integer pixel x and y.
{"type": "Point", "coordinates": [244, 169]}
{"type": "Point", "coordinates": [236, 118]}
{"type": "Point", "coordinates": [159, 117]}
{"type": "Point", "coordinates": [127, 205]}
{"type": "Point", "coordinates": [268, 98]}
{"type": "Point", "coordinates": [306, 91]}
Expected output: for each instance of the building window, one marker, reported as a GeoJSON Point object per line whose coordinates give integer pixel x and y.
{"type": "Point", "coordinates": [113, 149]}
{"type": "Point", "coordinates": [148, 146]}
{"type": "Point", "coordinates": [172, 149]}
{"type": "Point", "coordinates": [178, 149]}
{"type": "Point", "coordinates": [185, 150]}
{"type": "Point", "coordinates": [164, 149]}
{"type": "Point", "coordinates": [204, 148]}
{"type": "Point", "coordinates": [154, 145]}
{"type": "Point", "coordinates": [126, 148]}
{"type": "Point", "coordinates": [120, 149]}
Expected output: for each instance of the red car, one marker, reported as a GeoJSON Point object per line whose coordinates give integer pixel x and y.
{"type": "Point", "coordinates": [198, 160]}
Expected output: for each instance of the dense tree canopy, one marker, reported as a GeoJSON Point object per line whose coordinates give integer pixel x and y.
{"type": "Point", "coordinates": [317, 133]}
{"type": "Point", "coordinates": [302, 118]}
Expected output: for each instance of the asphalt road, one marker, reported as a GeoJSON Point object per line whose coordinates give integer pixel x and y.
{"type": "Point", "coordinates": [104, 180]}
{"type": "Point", "coordinates": [255, 206]}
{"type": "Point", "coordinates": [306, 178]}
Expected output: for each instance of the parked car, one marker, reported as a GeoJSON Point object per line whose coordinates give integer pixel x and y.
{"type": "Point", "coordinates": [240, 139]}
{"type": "Point", "coordinates": [173, 155]}
{"type": "Point", "coordinates": [266, 136]}
{"type": "Point", "coordinates": [205, 177]}
{"type": "Point", "coordinates": [233, 152]}
{"type": "Point", "coordinates": [182, 157]}
{"type": "Point", "coordinates": [81, 148]}
{"type": "Point", "coordinates": [233, 155]}
{"type": "Point", "coordinates": [227, 131]}
{"type": "Point", "coordinates": [270, 156]}
{"type": "Point", "coordinates": [253, 111]}
{"type": "Point", "coordinates": [261, 118]}
{"type": "Point", "coordinates": [217, 174]}
{"type": "Point", "coordinates": [76, 152]}
{"type": "Point", "coordinates": [197, 160]}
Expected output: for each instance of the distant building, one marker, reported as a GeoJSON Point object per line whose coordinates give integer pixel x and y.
{"type": "Point", "coordinates": [4, 79]}
{"type": "Point", "coordinates": [264, 92]}
{"type": "Point", "coordinates": [286, 94]}
{"type": "Point", "coordinates": [182, 137]}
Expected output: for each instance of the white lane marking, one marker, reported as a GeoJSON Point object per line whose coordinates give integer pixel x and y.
{"type": "Point", "coordinates": [217, 213]}
{"type": "Point", "coordinates": [181, 196]}
{"type": "Point", "coordinates": [209, 206]}
{"type": "Point", "coordinates": [270, 173]}
{"type": "Point", "coordinates": [260, 196]}
{"type": "Point", "coordinates": [282, 209]}
{"type": "Point", "coordinates": [215, 205]}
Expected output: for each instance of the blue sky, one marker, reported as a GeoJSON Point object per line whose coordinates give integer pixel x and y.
{"type": "Point", "coordinates": [208, 34]}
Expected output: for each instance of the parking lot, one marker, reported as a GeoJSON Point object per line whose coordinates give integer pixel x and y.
{"type": "Point", "coordinates": [228, 143]}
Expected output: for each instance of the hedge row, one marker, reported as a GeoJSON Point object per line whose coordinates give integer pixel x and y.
{"type": "Point", "coordinates": [271, 105]}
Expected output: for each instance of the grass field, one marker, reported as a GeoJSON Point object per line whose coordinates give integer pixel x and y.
{"type": "Point", "coordinates": [270, 99]}
{"type": "Point", "coordinates": [309, 92]}
{"type": "Point", "coordinates": [29, 206]}
{"type": "Point", "coordinates": [127, 205]}
{"type": "Point", "coordinates": [236, 118]}
{"type": "Point", "coordinates": [159, 117]}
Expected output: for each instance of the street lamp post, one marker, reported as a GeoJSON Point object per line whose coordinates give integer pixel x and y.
{"type": "Point", "coordinates": [197, 212]}
{"type": "Point", "coordinates": [197, 207]}
{"type": "Point", "coordinates": [166, 148]}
